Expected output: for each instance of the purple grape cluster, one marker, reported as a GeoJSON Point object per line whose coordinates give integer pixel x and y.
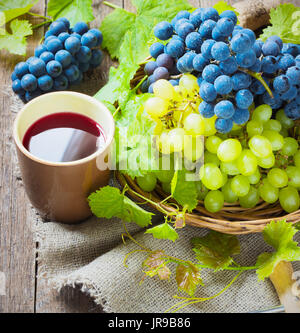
{"type": "Point", "coordinates": [60, 61]}
{"type": "Point", "coordinates": [224, 56]}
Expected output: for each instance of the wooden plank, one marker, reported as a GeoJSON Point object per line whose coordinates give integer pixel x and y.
{"type": "Point", "coordinates": [72, 300]}
{"type": "Point", "coordinates": [17, 248]}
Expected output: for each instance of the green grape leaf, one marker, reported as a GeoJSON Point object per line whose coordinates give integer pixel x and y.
{"type": "Point", "coordinates": [183, 190]}
{"type": "Point", "coordinates": [221, 6]}
{"type": "Point", "coordinates": [285, 23]}
{"type": "Point", "coordinates": [188, 278]}
{"type": "Point", "coordinates": [163, 231]}
{"type": "Point", "coordinates": [16, 41]}
{"type": "Point", "coordinates": [155, 264]}
{"type": "Point", "coordinates": [16, 8]}
{"type": "Point", "coordinates": [74, 10]}
{"type": "Point", "coordinates": [109, 202]}
{"type": "Point", "coordinates": [2, 22]}
{"type": "Point", "coordinates": [280, 236]}
{"type": "Point", "coordinates": [215, 250]}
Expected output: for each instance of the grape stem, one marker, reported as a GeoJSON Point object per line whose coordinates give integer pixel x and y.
{"type": "Point", "coordinates": [258, 77]}
{"type": "Point", "coordinates": [111, 5]}
{"type": "Point", "coordinates": [41, 24]}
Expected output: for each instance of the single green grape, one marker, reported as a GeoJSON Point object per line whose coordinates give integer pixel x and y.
{"type": "Point", "coordinates": [268, 192]}
{"type": "Point", "coordinates": [176, 139]}
{"type": "Point", "coordinates": [229, 195]}
{"type": "Point", "coordinates": [193, 124]}
{"type": "Point", "coordinates": [251, 199]}
{"type": "Point", "coordinates": [229, 150]}
{"type": "Point", "coordinates": [254, 127]}
{"type": "Point", "coordinates": [262, 113]}
{"type": "Point", "coordinates": [278, 177]}
{"type": "Point", "coordinates": [267, 162]}
{"type": "Point", "coordinates": [273, 125]}
{"type": "Point", "coordinates": [189, 82]}
{"type": "Point", "coordinates": [289, 199]}
{"type": "Point", "coordinates": [147, 183]}
{"type": "Point", "coordinates": [260, 146]}
{"type": "Point", "coordinates": [290, 146]}
{"type": "Point", "coordinates": [293, 173]}
{"type": "Point", "coordinates": [212, 144]}
{"type": "Point", "coordinates": [255, 177]}
{"type": "Point", "coordinates": [164, 89]}
{"type": "Point", "coordinates": [211, 176]}
{"type": "Point", "coordinates": [284, 120]}
{"type": "Point", "coordinates": [247, 162]}
{"type": "Point", "coordinates": [230, 168]}
{"type": "Point", "coordinates": [240, 185]}
{"type": "Point", "coordinates": [156, 107]}
{"type": "Point", "coordinates": [214, 201]}
{"type": "Point", "coordinates": [275, 139]}
{"type": "Point", "coordinates": [164, 176]}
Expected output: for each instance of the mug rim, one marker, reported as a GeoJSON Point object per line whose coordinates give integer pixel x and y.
{"type": "Point", "coordinates": [108, 141]}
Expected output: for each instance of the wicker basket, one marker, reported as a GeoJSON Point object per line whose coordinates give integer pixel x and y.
{"type": "Point", "coordinates": [232, 219]}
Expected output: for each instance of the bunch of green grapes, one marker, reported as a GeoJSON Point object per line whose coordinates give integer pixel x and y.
{"type": "Point", "coordinates": [256, 161]}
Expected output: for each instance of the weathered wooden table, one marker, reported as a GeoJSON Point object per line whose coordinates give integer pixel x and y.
{"type": "Point", "coordinates": [24, 291]}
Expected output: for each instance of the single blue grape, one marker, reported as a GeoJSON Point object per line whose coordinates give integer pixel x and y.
{"type": "Point", "coordinates": [229, 14]}
{"type": "Point", "coordinates": [150, 67]}
{"type": "Point", "coordinates": [72, 73]}
{"type": "Point", "coordinates": [37, 67]}
{"type": "Point", "coordinates": [83, 55]}
{"type": "Point", "coordinates": [83, 66]}
{"type": "Point", "coordinates": [220, 51]}
{"type": "Point", "coordinates": [61, 83]}
{"type": "Point", "coordinates": [225, 25]}
{"type": "Point", "coordinates": [250, 34]}
{"type": "Point", "coordinates": [292, 110]}
{"type": "Point", "coordinates": [163, 30]}
{"type": "Point", "coordinates": [241, 81]}
{"type": "Point", "coordinates": [270, 48]}
{"type": "Point", "coordinates": [281, 84]}
{"type": "Point", "coordinates": [63, 36]}
{"type": "Point", "coordinates": [21, 69]}
{"type": "Point", "coordinates": [257, 47]}
{"type": "Point", "coordinates": [237, 29]}
{"type": "Point", "coordinates": [217, 35]}
{"type": "Point", "coordinates": [47, 56]}
{"type": "Point", "coordinates": [165, 60]}
{"type": "Point", "coordinates": [224, 109]}
{"type": "Point", "coordinates": [29, 82]}
{"type": "Point", "coordinates": [184, 29]}
{"type": "Point", "coordinates": [209, 14]}
{"type": "Point", "coordinates": [290, 94]}
{"type": "Point", "coordinates": [48, 34]}
{"type": "Point", "coordinates": [72, 44]}
{"type": "Point", "coordinates": [257, 88]}
{"type": "Point", "coordinates": [223, 85]}
{"type": "Point", "coordinates": [54, 45]}
{"type": "Point", "coordinates": [207, 91]}
{"type": "Point", "coordinates": [17, 87]}
{"type": "Point", "coordinates": [229, 66]}
{"type": "Point", "coordinates": [206, 48]}
{"type": "Point", "coordinates": [96, 58]}
{"type": "Point", "coordinates": [150, 89]}
{"type": "Point", "coordinates": [156, 49]}
{"type": "Point", "coordinates": [199, 62]}
{"type": "Point", "coordinates": [89, 39]}
{"type": "Point", "coordinates": [54, 68]}
{"type": "Point", "coordinates": [57, 27]}
{"type": "Point", "coordinates": [45, 82]}
{"type": "Point", "coordinates": [181, 67]}
{"type": "Point", "coordinates": [13, 76]}
{"type": "Point", "coordinates": [39, 50]}
{"type": "Point", "coordinates": [243, 99]}
{"type": "Point", "coordinates": [269, 64]}
{"type": "Point", "coordinates": [195, 17]}
{"type": "Point", "coordinates": [65, 21]}
{"type": "Point", "coordinates": [64, 57]}
{"type": "Point", "coordinates": [211, 72]}
{"type": "Point", "coordinates": [277, 40]}
{"type": "Point", "coordinates": [76, 35]}
{"type": "Point", "coordinates": [293, 73]}
{"type": "Point", "coordinates": [98, 35]}
{"type": "Point", "coordinates": [223, 125]}
{"type": "Point", "coordinates": [240, 43]}
{"type": "Point", "coordinates": [175, 48]}
{"type": "Point", "coordinates": [246, 59]}
{"type": "Point", "coordinates": [241, 116]}
{"type": "Point", "coordinates": [161, 73]}
{"type": "Point", "coordinates": [187, 61]}
{"type": "Point", "coordinates": [206, 109]}
{"type": "Point", "coordinates": [193, 41]}
{"type": "Point", "coordinates": [286, 61]}
{"type": "Point", "coordinates": [275, 102]}
{"type": "Point", "coordinates": [206, 28]}
{"type": "Point", "coordinates": [151, 79]}
{"type": "Point", "coordinates": [179, 22]}
{"type": "Point", "coordinates": [49, 38]}
{"type": "Point", "coordinates": [80, 28]}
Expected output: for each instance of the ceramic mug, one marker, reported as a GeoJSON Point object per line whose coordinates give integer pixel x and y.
{"type": "Point", "coordinates": [59, 190]}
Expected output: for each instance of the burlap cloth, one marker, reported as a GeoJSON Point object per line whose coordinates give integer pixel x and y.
{"type": "Point", "coordinates": [91, 255]}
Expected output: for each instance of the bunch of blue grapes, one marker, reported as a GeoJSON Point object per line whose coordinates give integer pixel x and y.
{"type": "Point", "coordinates": [60, 61]}
{"type": "Point", "coordinates": [224, 56]}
